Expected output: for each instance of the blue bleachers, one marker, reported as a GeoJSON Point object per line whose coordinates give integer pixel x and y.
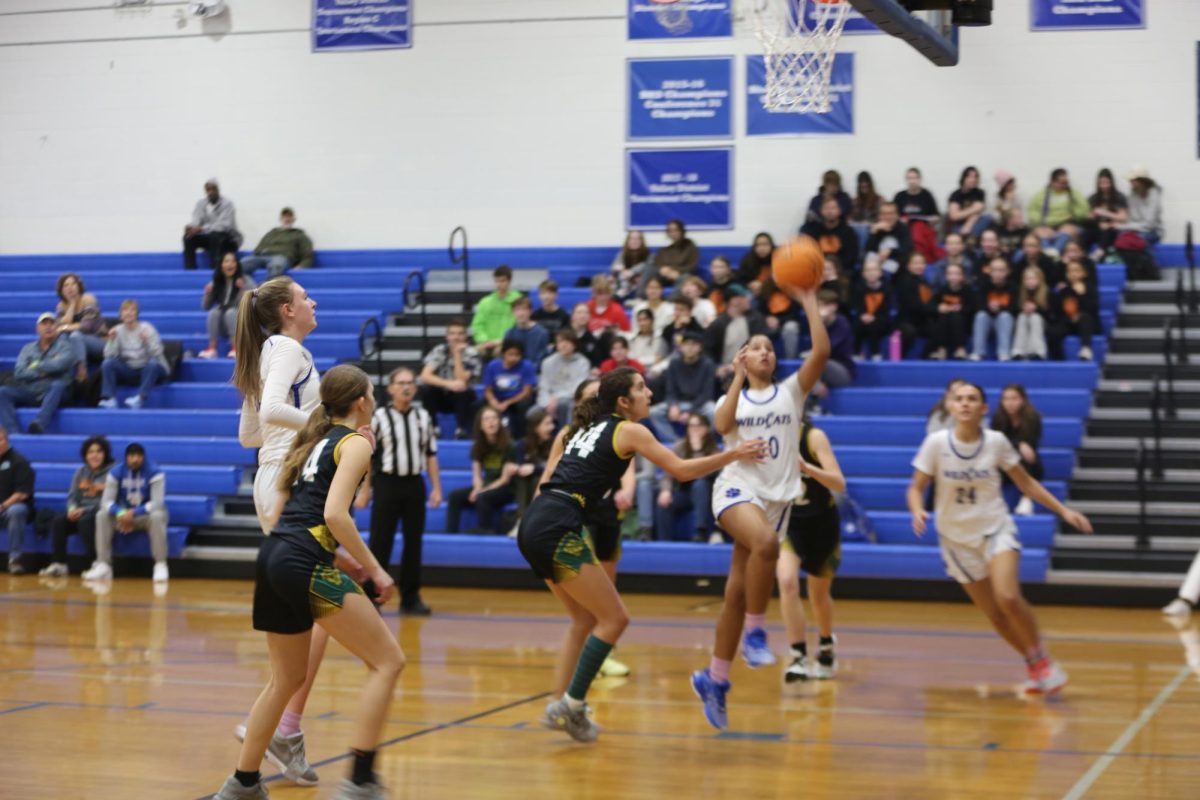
{"type": "Point", "coordinates": [132, 545]}
{"type": "Point", "coordinates": [192, 450]}
{"type": "Point", "coordinates": [185, 509]}
{"type": "Point", "coordinates": [917, 402]}
{"type": "Point", "coordinates": [148, 421]}
{"type": "Point", "coordinates": [181, 479]}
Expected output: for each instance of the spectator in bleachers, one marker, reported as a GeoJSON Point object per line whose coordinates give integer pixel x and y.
{"type": "Point", "coordinates": [1145, 206]}
{"type": "Point", "coordinates": [953, 308]}
{"type": "Point", "coordinates": [213, 228]}
{"type": "Point", "coordinates": [80, 320]}
{"type": "Point", "coordinates": [591, 346]}
{"type": "Point", "coordinates": [40, 378]}
{"type": "Point", "coordinates": [890, 239]}
{"type": "Point", "coordinates": [509, 381]}
{"type": "Point", "coordinates": [966, 211]}
{"type": "Point", "coordinates": [133, 355]}
{"type": "Point", "coordinates": [221, 297]}
{"type": "Point", "coordinates": [630, 266]}
{"type": "Point", "coordinates": [493, 464]}
{"type": "Point", "coordinates": [447, 375]}
{"type": "Point", "coordinates": [533, 453]}
{"type": "Point", "coordinates": [1073, 251]}
{"type": "Point", "coordinates": [650, 350]}
{"type": "Point", "coordinates": [755, 266]}
{"type": "Point", "coordinates": [691, 381]}
{"type": "Point", "coordinates": [872, 305]}
{"type": "Point", "coordinates": [675, 498]}
{"type": "Point", "coordinates": [837, 280]}
{"type": "Point", "coordinates": [730, 331]}
{"type": "Point", "coordinates": [550, 315]}
{"type": "Point", "coordinates": [16, 499]}
{"type": "Point", "coordinates": [681, 324]}
{"type": "Point", "coordinates": [940, 417]}
{"type": "Point", "coordinates": [681, 257]}
{"type": "Point", "coordinates": [997, 305]}
{"type": "Point", "coordinates": [956, 253]}
{"type": "Point", "coordinates": [704, 308]}
{"type": "Point", "coordinates": [1109, 211]}
{"type": "Point", "coordinates": [833, 234]}
{"type": "Point", "coordinates": [1031, 255]}
{"type": "Point", "coordinates": [83, 501]}
{"type": "Point", "coordinates": [134, 499]}
{"type": "Point", "coordinates": [989, 248]}
{"type": "Point", "coordinates": [282, 248]}
{"type": "Point", "coordinates": [1075, 311]}
{"type": "Point", "coordinates": [1008, 213]}
{"type": "Point", "coordinates": [605, 314]}
{"type": "Point", "coordinates": [867, 201]}
{"type": "Point", "coordinates": [919, 210]}
{"type": "Point", "coordinates": [561, 372]}
{"type": "Point", "coordinates": [533, 337]}
{"type": "Point", "coordinates": [830, 189]}
{"type": "Point", "coordinates": [662, 310]}
{"type": "Point", "coordinates": [913, 295]}
{"type": "Point", "coordinates": [493, 314]}
{"type": "Point", "coordinates": [1021, 424]}
{"type": "Point", "coordinates": [1058, 213]}
{"type": "Point", "coordinates": [619, 357]}
{"type": "Point", "coordinates": [839, 369]}
{"type": "Point", "coordinates": [1029, 335]}
{"type": "Point", "coordinates": [781, 316]}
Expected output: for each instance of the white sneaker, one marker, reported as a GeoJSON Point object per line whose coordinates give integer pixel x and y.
{"type": "Point", "coordinates": [207, 353]}
{"type": "Point", "coordinates": [1178, 608]}
{"type": "Point", "coordinates": [161, 575]}
{"type": "Point", "coordinates": [55, 570]}
{"type": "Point", "coordinates": [108, 402]}
{"type": "Point", "coordinates": [1024, 507]}
{"type": "Point", "coordinates": [1085, 354]}
{"type": "Point", "coordinates": [975, 357]}
{"type": "Point", "coordinates": [99, 571]}
{"type": "Point", "coordinates": [133, 402]}
{"type": "Point", "coordinates": [716, 538]}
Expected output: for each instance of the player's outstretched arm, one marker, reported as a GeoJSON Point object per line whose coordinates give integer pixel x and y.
{"type": "Point", "coordinates": [638, 439]}
{"type": "Point", "coordinates": [1039, 494]}
{"type": "Point", "coordinates": [814, 365]}
{"type": "Point", "coordinates": [353, 460]}
{"type": "Point", "coordinates": [725, 419]}
{"type": "Point", "coordinates": [556, 453]}
{"type": "Point", "coordinates": [826, 471]}
{"type": "Point", "coordinates": [916, 502]}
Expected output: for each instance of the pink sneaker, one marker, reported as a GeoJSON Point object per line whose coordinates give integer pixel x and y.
{"type": "Point", "coordinates": [208, 353]}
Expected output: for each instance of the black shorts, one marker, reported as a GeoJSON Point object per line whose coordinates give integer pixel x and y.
{"type": "Point", "coordinates": [604, 524]}
{"type": "Point", "coordinates": [292, 588]}
{"type": "Point", "coordinates": [553, 539]}
{"type": "Point", "coordinates": [817, 540]}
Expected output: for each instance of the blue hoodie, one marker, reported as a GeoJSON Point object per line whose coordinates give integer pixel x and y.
{"type": "Point", "coordinates": [141, 491]}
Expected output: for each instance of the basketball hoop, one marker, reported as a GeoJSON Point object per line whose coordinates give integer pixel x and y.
{"type": "Point", "coordinates": [799, 38]}
{"type": "Point", "coordinates": [673, 16]}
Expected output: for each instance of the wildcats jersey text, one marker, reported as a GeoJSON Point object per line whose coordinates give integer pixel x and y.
{"type": "Point", "coordinates": [773, 414]}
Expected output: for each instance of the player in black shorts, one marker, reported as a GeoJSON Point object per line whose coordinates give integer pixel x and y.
{"type": "Point", "coordinates": [814, 543]}
{"type": "Point", "coordinates": [297, 584]}
{"type": "Point", "coordinates": [552, 534]}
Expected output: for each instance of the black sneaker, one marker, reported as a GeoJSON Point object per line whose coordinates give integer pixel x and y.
{"type": "Point", "coordinates": [34, 428]}
{"type": "Point", "coordinates": [414, 608]}
{"type": "Point", "coordinates": [826, 662]}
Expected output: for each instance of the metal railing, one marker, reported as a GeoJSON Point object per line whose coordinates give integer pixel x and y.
{"type": "Point", "coordinates": [462, 255]}
{"type": "Point", "coordinates": [1189, 252]}
{"type": "Point", "coordinates": [1143, 535]}
{"type": "Point", "coordinates": [370, 345]}
{"type": "Point", "coordinates": [1156, 426]}
{"type": "Point", "coordinates": [416, 299]}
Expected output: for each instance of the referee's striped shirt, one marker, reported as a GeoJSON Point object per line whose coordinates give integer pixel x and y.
{"type": "Point", "coordinates": [404, 440]}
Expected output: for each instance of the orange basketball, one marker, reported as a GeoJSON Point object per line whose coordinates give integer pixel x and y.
{"type": "Point", "coordinates": [799, 263]}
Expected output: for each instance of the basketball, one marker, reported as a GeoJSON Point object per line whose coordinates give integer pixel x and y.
{"type": "Point", "coordinates": [798, 263]}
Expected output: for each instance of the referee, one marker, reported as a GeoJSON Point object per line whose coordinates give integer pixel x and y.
{"type": "Point", "coordinates": [405, 447]}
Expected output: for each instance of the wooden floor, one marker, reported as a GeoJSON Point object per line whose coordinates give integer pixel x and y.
{"type": "Point", "coordinates": [129, 695]}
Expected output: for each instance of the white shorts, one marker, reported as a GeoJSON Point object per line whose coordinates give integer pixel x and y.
{"type": "Point", "coordinates": [727, 494]}
{"type": "Point", "coordinates": [969, 563]}
{"type": "Point", "coordinates": [266, 495]}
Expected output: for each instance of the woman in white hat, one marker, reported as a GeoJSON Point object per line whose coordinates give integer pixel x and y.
{"type": "Point", "coordinates": [1145, 206]}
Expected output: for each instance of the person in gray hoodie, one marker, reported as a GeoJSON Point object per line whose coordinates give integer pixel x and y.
{"type": "Point", "coordinates": [561, 372]}
{"type": "Point", "coordinates": [41, 377]}
{"type": "Point", "coordinates": [133, 355]}
{"type": "Point", "coordinates": [83, 499]}
{"type": "Point", "coordinates": [134, 499]}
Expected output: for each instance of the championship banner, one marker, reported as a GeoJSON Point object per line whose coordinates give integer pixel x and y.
{"type": "Point", "coordinates": [361, 24]}
{"type": "Point", "coordinates": [680, 19]}
{"type": "Point", "coordinates": [1065, 15]}
{"type": "Point", "coordinates": [856, 23]}
{"type": "Point", "coordinates": [680, 98]}
{"type": "Point", "coordinates": [761, 121]}
{"type": "Point", "coordinates": [695, 186]}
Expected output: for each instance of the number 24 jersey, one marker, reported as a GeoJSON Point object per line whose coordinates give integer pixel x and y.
{"type": "Point", "coordinates": [967, 481]}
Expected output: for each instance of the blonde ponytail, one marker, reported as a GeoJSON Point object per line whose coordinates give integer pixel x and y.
{"type": "Point", "coordinates": [259, 315]}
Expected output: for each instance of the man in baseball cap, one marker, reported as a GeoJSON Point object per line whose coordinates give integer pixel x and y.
{"type": "Point", "coordinates": [41, 377]}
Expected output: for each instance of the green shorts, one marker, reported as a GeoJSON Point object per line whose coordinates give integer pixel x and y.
{"type": "Point", "coordinates": [293, 588]}
{"type": "Point", "coordinates": [553, 539]}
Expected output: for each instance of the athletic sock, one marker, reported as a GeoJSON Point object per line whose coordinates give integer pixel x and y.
{"type": "Point", "coordinates": [594, 652]}
{"type": "Point", "coordinates": [247, 779]}
{"type": "Point", "coordinates": [571, 702]}
{"type": "Point", "coordinates": [289, 724]}
{"type": "Point", "coordinates": [756, 621]}
{"type": "Point", "coordinates": [364, 767]}
{"type": "Point", "coordinates": [1034, 654]}
{"type": "Point", "coordinates": [718, 668]}
{"type": "Point", "coordinates": [799, 648]}
{"type": "Point", "coordinates": [826, 642]}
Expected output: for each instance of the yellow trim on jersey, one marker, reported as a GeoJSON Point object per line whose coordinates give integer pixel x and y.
{"type": "Point", "coordinates": [324, 537]}
{"type": "Point", "coordinates": [337, 448]}
{"type": "Point", "coordinates": [617, 430]}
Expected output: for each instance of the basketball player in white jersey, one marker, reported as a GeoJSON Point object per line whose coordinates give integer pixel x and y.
{"type": "Point", "coordinates": [978, 537]}
{"type": "Point", "coordinates": [752, 501]}
{"type": "Point", "coordinates": [281, 388]}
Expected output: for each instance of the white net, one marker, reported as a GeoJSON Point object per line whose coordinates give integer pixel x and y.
{"type": "Point", "coordinates": [799, 38]}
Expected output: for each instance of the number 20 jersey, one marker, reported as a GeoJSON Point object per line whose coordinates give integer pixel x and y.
{"type": "Point", "coordinates": [967, 486]}
{"type": "Point", "coordinates": [590, 466]}
{"type": "Point", "coordinates": [773, 414]}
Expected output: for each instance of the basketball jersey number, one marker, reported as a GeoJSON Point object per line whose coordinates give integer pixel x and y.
{"type": "Point", "coordinates": [773, 447]}
{"type": "Point", "coordinates": [310, 467]}
{"type": "Point", "coordinates": [583, 443]}
{"type": "Point", "coordinates": [965, 495]}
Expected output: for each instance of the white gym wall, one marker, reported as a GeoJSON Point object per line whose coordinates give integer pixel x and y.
{"type": "Point", "coordinates": [508, 116]}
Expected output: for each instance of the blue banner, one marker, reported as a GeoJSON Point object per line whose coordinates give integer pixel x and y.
{"type": "Point", "coordinates": [855, 22]}
{"type": "Point", "coordinates": [1060, 15]}
{"type": "Point", "coordinates": [760, 121]}
{"type": "Point", "coordinates": [361, 24]}
{"type": "Point", "coordinates": [674, 98]}
{"type": "Point", "coordinates": [695, 186]}
{"type": "Point", "coordinates": [680, 19]}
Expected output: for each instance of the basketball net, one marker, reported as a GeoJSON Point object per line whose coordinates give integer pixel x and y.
{"type": "Point", "coordinates": [799, 39]}
{"type": "Point", "coordinates": [673, 16]}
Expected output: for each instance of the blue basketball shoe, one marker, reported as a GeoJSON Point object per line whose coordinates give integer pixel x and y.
{"type": "Point", "coordinates": [712, 693]}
